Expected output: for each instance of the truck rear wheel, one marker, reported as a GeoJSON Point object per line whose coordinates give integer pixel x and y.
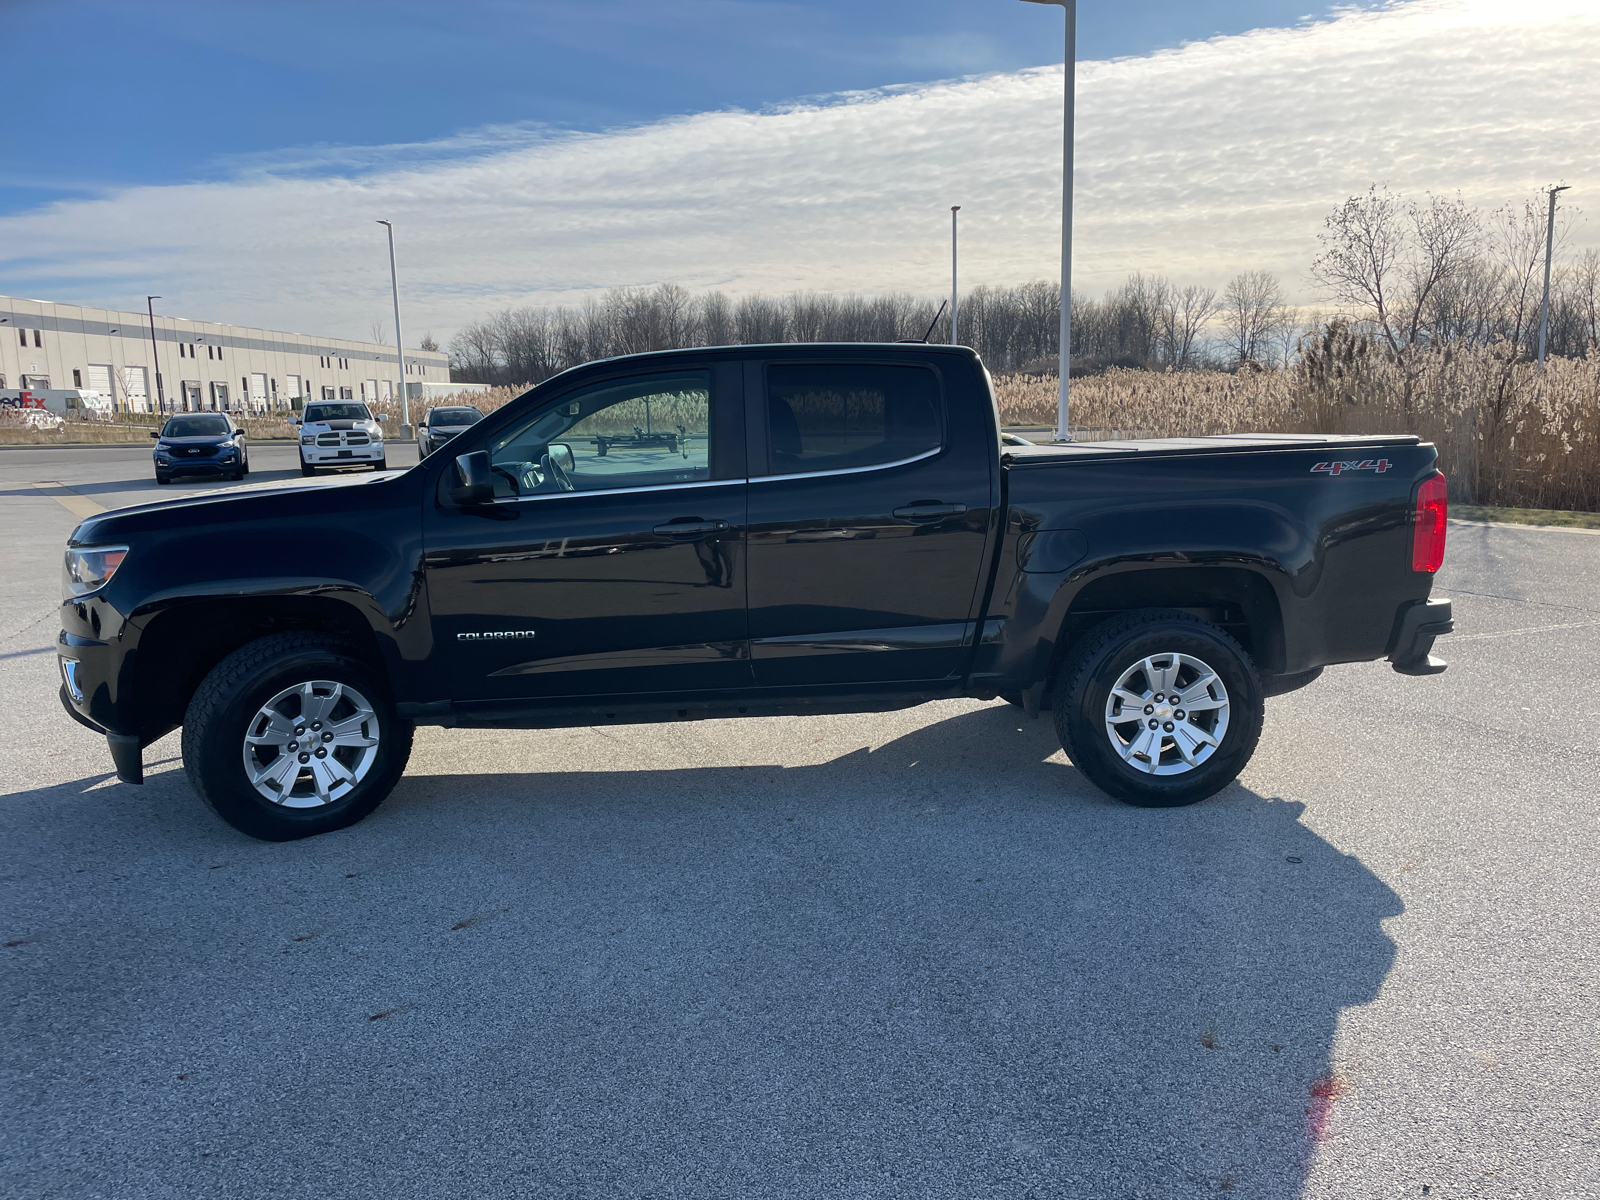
{"type": "Point", "coordinates": [293, 735]}
{"type": "Point", "coordinates": [1159, 708]}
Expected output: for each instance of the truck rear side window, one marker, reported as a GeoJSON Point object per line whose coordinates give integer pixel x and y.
{"type": "Point", "coordinates": [836, 416]}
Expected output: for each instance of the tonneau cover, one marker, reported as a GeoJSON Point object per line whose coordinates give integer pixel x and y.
{"type": "Point", "coordinates": [1225, 443]}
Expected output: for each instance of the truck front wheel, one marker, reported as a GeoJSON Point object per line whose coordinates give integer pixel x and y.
{"type": "Point", "coordinates": [1159, 708]}
{"type": "Point", "coordinates": [293, 735]}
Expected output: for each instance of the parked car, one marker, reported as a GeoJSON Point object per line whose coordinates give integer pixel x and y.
{"type": "Point", "coordinates": [204, 444]}
{"type": "Point", "coordinates": [339, 433]}
{"type": "Point", "coordinates": [442, 424]}
{"type": "Point", "coordinates": [834, 529]}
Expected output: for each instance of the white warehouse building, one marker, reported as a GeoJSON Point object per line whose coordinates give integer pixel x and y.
{"type": "Point", "coordinates": [203, 366]}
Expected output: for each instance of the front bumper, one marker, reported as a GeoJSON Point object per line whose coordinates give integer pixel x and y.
{"type": "Point", "coordinates": [197, 466]}
{"type": "Point", "coordinates": [334, 455]}
{"type": "Point", "coordinates": [85, 693]}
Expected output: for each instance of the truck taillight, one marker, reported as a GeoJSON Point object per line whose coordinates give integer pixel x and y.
{"type": "Point", "coordinates": [1427, 537]}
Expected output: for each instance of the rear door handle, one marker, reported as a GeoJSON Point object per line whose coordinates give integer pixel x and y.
{"type": "Point", "coordinates": [927, 510]}
{"type": "Point", "coordinates": [691, 527]}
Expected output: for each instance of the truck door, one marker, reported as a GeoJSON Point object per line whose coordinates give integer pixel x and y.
{"type": "Point", "coordinates": [869, 513]}
{"type": "Point", "coordinates": [612, 559]}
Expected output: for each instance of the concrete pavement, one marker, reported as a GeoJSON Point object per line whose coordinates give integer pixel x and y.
{"type": "Point", "coordinates": [911, 954]}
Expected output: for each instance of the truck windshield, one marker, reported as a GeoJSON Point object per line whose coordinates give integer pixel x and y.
{"type": "Point", "coordinates": [454, 416]}
{"type": "Point", "coordinates": [197, 426]}
{"type": "Point", "coordinates": [337, 412]}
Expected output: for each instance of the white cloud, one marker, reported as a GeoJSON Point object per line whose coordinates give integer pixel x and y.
{"type": "Point", "coordinates": [1197, 162]}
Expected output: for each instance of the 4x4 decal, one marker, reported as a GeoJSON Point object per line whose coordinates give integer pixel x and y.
{"type": "Point", "coordinates": [1380, 465]}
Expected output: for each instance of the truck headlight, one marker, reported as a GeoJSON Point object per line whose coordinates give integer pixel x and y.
{"type": "Point", "coordinates": [89, 568]}
{"type": "Point", "coordinates": [308, 439]}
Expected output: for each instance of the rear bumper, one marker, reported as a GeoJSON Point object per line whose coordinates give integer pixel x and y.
{"type": "Point", "coordinates": [1416, 626]}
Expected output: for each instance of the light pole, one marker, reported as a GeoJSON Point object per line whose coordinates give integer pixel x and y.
{"type": "Point", "coordinates": [161, 398]}
{"type": "Point", "coordinates": [1549, 250]}
{"type": "Point", "coordinates": [954, 209]}
{"type": "Point", "coordinates": [1063, 433]}
{"type": "Point", "coordinates": [399, 342]}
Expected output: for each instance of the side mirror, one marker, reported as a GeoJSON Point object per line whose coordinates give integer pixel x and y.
{"type": "Point", "coordinates": [294, 418]}
{"type": "Point", "coordinates": [155, 433]}
{"type": "Point", "coordinates": [561, 455]}
{"type": "Point", "coordinates": [473, 484]}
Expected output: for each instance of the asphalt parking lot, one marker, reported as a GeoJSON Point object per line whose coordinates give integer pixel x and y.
{"type": "Point", "coordinates": [902, 955]}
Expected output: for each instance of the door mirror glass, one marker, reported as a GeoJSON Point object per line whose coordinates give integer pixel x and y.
{"type": "Point", "coordinates": [561, 454]}
{"type": "Point", "coordinates": [473, 483]}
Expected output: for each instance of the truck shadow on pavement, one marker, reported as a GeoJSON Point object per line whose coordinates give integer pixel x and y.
{"type": "Point", "coordinates": [946, 967]}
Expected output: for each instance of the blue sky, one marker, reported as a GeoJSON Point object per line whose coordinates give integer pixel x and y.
{"type": "Point", "coordinates": [234, 159]}
{"type": "Point", "coordinates": [170, 91]}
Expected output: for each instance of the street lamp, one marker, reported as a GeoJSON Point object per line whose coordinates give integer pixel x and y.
{"type": "Point", "coordinates": [1549, 249]}
{"type": "Point", "coordinates": [954, 209]}
{"type": "Point", "coordinates": [161, 397]}
{"type": "Point", "coordinates": [1063, 433]}
{"type": "Point", "coordinates": [399, 342]}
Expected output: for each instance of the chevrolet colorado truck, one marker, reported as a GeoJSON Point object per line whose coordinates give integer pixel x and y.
{"type": "Point", "coordinates": [748, 531]}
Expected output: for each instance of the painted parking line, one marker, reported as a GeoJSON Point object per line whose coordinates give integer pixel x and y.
{"type": "Point", "coordinates": [79, 506]}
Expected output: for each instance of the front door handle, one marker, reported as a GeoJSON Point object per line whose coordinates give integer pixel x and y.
{"type": "Point", "coordinates": [929, 510]}
{"type": "Point", "coordinates": [690, 527]}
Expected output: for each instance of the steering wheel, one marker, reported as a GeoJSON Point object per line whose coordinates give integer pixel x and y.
{"type": "Point", "coordinates": [553, 470]}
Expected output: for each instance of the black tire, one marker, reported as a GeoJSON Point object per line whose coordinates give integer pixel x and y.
{"type": "Point", "coordinates": [229, 699]}
{"type": "Point", "coordinates": [382, 464]}
{"type": "Point", "coordinates": [306, 468]}
{"type": "Point", "coordinates": [163, 479]}
{"type": "Point", "coordinates": [1117, 646]}
{"type": "Point", "coordinates": [244, 466]}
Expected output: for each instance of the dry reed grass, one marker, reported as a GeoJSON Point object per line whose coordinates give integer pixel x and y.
{"type": "Point", "coordinates": [1506, 434]}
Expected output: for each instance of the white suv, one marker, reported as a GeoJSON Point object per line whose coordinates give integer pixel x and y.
{"type": "Point", "coordinates": [339, 433]}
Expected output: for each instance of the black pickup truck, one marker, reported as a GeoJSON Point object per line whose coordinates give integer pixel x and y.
{"type": "Point", "coordinates": [748, 531]}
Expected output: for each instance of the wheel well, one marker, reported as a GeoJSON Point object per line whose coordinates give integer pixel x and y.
{"type": "Point", "coordinates": [1240, 602]}
{"type": "Point", "coordinates": [179, 647]}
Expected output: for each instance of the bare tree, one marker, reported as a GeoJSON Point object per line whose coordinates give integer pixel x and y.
{"type": "Point", "coordinates": [1184, 313]}
{"type": "Point", "coordinates": [1385, 258]}
{"type": "Point", "coordinates": [1255, 316]}
{"type": "Point", "coordinates": [428, 343]}
{"type": "Point", "coordinates": [379, 336]}
{"type": "Point", "coordinates": [1584, 287]}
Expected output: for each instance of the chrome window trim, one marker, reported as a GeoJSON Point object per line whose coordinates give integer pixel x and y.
{"type": "Point", "coordinates": [900, 462]}
{"type": "Point", "coordinates": [665, 487]}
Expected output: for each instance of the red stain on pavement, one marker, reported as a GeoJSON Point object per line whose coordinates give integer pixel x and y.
{"type": "Point", "coordinates": [1319, 1113]}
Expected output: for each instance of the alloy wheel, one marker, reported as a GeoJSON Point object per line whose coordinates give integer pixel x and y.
{"type": "Point", "coordinates": [311, 744]}
{"type": "Point", "coordinates": [1167, 714]}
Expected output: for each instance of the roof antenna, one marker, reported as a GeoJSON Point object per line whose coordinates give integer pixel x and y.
{"type": "Point", "coordinates": [923, 340]}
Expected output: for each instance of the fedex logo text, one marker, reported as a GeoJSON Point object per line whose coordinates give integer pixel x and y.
{"type": "Point", "coordinates": [1380, 465]}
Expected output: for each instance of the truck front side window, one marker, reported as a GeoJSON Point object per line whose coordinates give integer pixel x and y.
{"type": "Point", "coordinates": [644, 432]}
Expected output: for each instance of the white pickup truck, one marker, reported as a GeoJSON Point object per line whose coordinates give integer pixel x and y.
{"type": "Point", "coordinates": [339, 433]}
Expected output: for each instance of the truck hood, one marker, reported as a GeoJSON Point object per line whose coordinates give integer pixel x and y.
{"type": "Point", "coordinates": [318, 499]}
